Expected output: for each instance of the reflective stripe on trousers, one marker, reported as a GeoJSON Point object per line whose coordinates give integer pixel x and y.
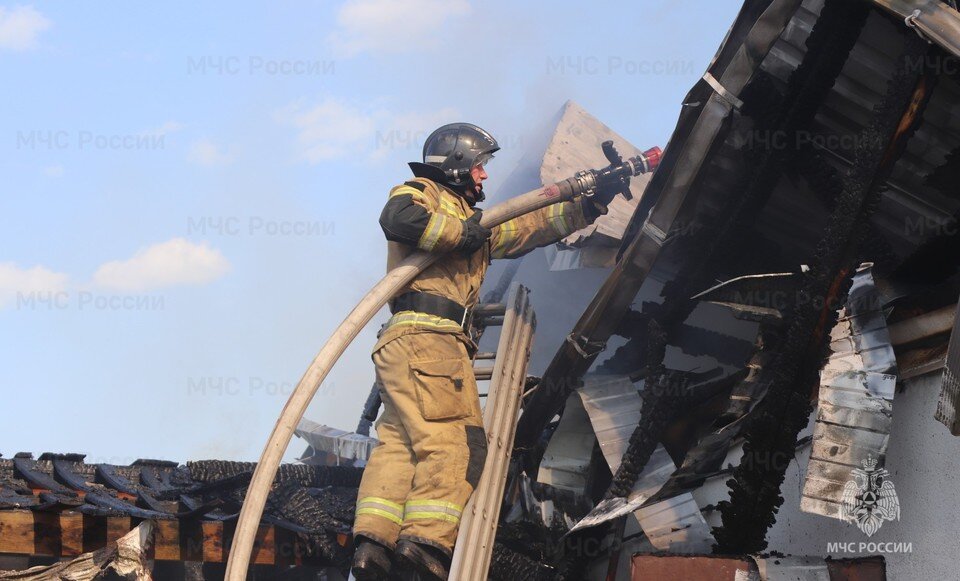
{"type": "Point", "coordinates": [381, 507]}
{"type": "Point", "coordinates": [437, 509]}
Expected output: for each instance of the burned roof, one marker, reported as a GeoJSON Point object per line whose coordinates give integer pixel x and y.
{"type": "Point", "coordinates": [820, 145]}
{"type": "Point", "coordinates": [313, 503]}
{"type": "Point", "coordinates": [307, 520]}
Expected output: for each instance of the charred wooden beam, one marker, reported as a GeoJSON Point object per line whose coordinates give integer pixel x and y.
{"type": "Point", "coordinates": [108, 475]}
{"type": "Point", "coordinates": [26, 469]}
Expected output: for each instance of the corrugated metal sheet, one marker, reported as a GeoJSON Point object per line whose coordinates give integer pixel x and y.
{"type": "Point", "coordinates": [676, 525]}
{"type": "Point", "coordinates": [949, 402]}
{"type": "Point", "coordinates": [545, 510]}
{"type": "Point", "coordinates": [612, 405]}
{"type": "Point", "coordinates": [653, 477]}
{"type": "Point", "coordinates": [855, 410]}
{"type": "Point", "coordinates": [908, 202]}
{"type": "Point", "coordinates": [340, 443]}
{"type": "Point", "coordinates": [793, 219]}
{"type": "Point", "coordinates": [858, 386]}
{"type": "Point", "coordinates": [566, 461]}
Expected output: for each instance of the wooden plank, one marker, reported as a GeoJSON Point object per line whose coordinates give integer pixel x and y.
{"type": "Point", "coordinates": [166, 541]}
{"type": "Point", "coordinates": [69, 534]}
{"type": "Point", "coordinates": [16, 532]}
{"type": "Point", "coordinates": [213, 548]}
{"type": "Point", "coordinates": [264, 546]}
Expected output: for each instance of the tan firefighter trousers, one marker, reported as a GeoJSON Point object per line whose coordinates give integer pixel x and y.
{"type": "Point", "coordinates": [432, 444]}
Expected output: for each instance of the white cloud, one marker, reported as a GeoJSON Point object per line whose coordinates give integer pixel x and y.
{"type": "Point", "coordinates": [334, 129]}
{"type": "Point", "coordinates": [20, 26]}
{"type": "Point", "coordinates": [392, 25]}
{"type": "Point", "coordinates": [330, 129]}
{"type": "Point", "coordinates": [21, 282]}
{"type": "Point", "coordinates": [170, 263]}
{"type": "Point", "coordinates": [206, 153]}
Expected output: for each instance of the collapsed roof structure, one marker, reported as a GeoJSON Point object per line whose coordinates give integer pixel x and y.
{"type": "Point", "coordinates": [716, 359]}
{"type": "Point", "coordinates": [814, 169]}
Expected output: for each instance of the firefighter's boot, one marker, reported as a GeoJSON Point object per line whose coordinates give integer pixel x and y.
{"type": "Point", "coordinates": [430, 563]}
{"type": "Point", "coordinates": [371, 561]}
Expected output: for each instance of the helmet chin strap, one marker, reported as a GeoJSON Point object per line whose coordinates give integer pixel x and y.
{"type": "Point", "coordinates": [466, 189]}
{"type": "Point", "coordinates": [463, 183]}
{"type": "Point", "coordinates": [477, 193]}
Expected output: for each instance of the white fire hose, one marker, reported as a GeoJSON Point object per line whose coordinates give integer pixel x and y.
{"type": "Point", "coordinates": [583, 183]}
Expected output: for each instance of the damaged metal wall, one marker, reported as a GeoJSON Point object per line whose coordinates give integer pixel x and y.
{"type": "Point", "coordinates": [855, 407]}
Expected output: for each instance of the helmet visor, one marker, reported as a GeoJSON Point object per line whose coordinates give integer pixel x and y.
{"type": "Point", "coordinates": [483, 159]}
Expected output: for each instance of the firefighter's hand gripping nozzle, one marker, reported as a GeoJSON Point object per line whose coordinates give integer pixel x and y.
{"type": "Point", "coordinates": [602, 185]}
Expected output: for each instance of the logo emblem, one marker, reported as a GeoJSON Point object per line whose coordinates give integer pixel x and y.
{"type": "Point", "coordinates": [870, 498]}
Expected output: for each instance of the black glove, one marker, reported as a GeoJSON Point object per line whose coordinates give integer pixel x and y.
{"type": "Point", "coordinates": [596, 205]}
{"type": "Point", "coordinates": [606, 192]}
{"type": "Point", "coordinates": [474, 235]}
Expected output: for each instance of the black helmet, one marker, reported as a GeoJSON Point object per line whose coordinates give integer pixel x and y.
{"type": "Point", "coordinates": [450, 152]}
{"type": "Point", "coordinates": [456, 148]}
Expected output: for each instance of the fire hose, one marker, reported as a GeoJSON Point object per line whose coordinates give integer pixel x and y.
{"type": "Point", "coordinates": [616, 175]}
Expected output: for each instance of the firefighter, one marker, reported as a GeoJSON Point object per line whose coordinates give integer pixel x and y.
{"type": "Point", "coordinates": [432, 443]}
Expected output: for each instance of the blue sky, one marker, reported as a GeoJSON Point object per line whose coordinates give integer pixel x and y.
{"type": "Point", "coordinates": [190, 191]}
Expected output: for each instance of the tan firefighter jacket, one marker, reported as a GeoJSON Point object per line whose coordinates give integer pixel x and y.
{"type": "Point", "coordinates": [423, 215]}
